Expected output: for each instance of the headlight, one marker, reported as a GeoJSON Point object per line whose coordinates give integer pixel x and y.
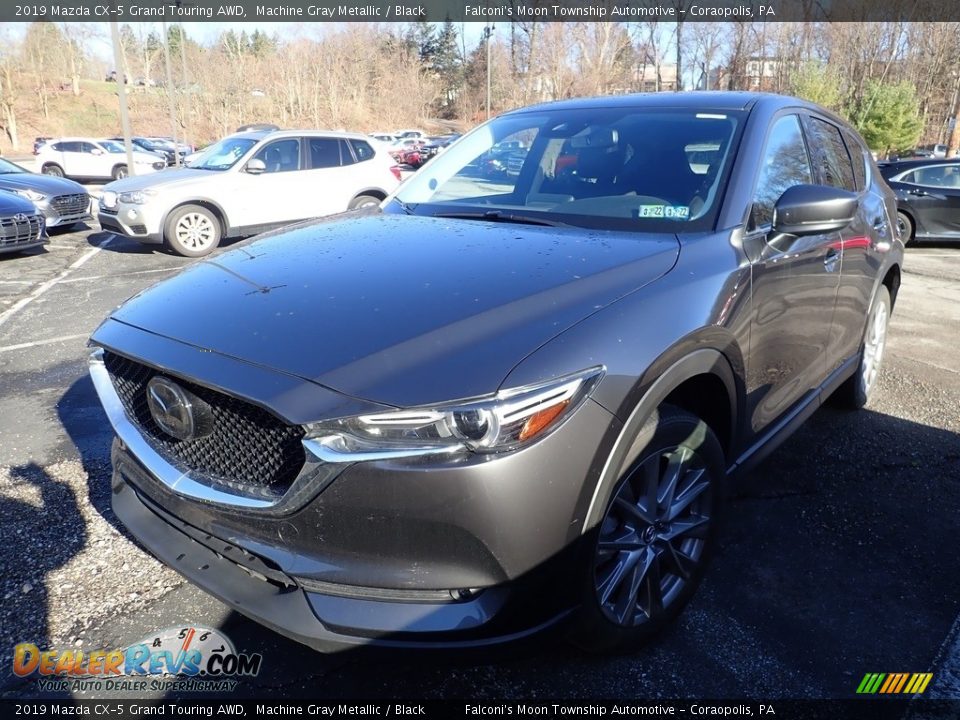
{"type": "Point", "coordinates": [510, 419]}
{"type": "Point", "coordinates": [136, 197]}
{"type": "Point", "coordinates": [31, 195]}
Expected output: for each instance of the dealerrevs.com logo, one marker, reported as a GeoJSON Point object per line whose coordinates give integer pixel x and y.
{"type": "Point", "coordinates": [185, 658]}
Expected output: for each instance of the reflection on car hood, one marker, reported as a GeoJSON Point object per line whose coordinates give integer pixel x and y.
{"type": "Point", "coordinates": [396, 309]}
{"type": "Point", "coordinates": [46, 184]}
{"type": "Point", "coordinates": [11, 204]}
{"type": "Point", "coordinates": [180, 176]}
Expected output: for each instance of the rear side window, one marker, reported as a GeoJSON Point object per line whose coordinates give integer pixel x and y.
{"type": "Point", "coordinates": [362, 150]}
{"type": "Point", "coordinates": [346, 157]}
{"type": "Point", "coordinates": [785, 164]}
{"type": "Point", "coordinates": [832, 159]}
{"type": "Point", "coordinates": [858, 159]}
{"type": "Point", "coordinates": [324, 152]}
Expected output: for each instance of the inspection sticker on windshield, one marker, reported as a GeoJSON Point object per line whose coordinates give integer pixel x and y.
{"type": "Point", "coordinates": [678, 212]}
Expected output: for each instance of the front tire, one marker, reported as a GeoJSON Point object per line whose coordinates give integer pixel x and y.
{"type": "Point", "coordinates": [192, 231]}
{"type": "Point", "coordinates": [648, 555]}
{"type": "Point", "coordinates": [906, 227]}
{"type": "Point", "coordinates": [120, 172]}
{"type": "Point", "coordinates": [856, 391]}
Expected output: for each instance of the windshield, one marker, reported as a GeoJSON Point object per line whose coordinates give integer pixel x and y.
{"type": "Point", "coordinates": [8, 168]}
{"type": "Point", "coordinates": [224, 154]}
{"type": "Point", "coordinates": [616, 168]}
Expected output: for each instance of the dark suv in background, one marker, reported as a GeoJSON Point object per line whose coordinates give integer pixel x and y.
{"type": "Point", "coordinates": [493, 406]}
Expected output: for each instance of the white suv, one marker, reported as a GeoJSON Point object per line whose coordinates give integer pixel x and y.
{"type": "Point", "coordinates": [247, 183]}
{"type": "Point", "coordinates": [88, 159]}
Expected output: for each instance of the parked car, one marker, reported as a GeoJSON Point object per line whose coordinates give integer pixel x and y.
{"type": "Point", "coordinates": [928, 197]}
{"type": "Point", "coordinates": [62, 202]}
{"type": "Point", "coordinates": [435, 146]}
{"type": "Point", "coordinates": [21, 224]}
{"type": "Point", "coordinates": [419, 134]}
{"type": "Point", "coordinates": [399, 149]}
{"type": "Point", "coordinates": [38, 142]}
{"type": "Point", "coordinates": [474, 415]}
{"type": "Point", "coordinates": [88, 159]}
{"type": "Point", "coordinates": [150, 145]}
{"type": "Point", "coordinates": [383, 137]}
{"type": "Point", "coordinates": [248, 183]}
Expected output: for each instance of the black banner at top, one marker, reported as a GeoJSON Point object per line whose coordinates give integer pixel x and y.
{"type": "Point", "coordinates": [502, 11]}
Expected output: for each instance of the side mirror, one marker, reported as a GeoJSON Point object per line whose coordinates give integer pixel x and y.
{"type": "Point", "coordinates": [96, 151]}
{"type": "Point", "coordinates": [813, 209]}
{"type": "Point", "coordinates": [256, 166]}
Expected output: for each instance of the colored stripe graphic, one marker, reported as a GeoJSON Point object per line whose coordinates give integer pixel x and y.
{"type": "Point", "coordinates": [894, 683]}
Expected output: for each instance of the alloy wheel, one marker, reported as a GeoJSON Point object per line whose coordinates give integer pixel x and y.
{"type": "Point", "coordinates": [653, 536]}
{"type": "Point", "coordinates": [873, 347]}
{"type": "Point", "coordinates": [195, 231]}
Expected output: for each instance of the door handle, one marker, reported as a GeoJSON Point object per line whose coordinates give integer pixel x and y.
{"type": "Point", "coordinates": [831, 260]}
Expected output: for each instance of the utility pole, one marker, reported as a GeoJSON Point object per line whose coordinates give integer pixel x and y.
{"type": "Point", "coordinates": [170, 100]}
{"type": "Point", "coordinates": [183, 80]}
{"type": "Point", "coordinates": [122, 93]}
{"type": "Point", "coordinates": [487, 32]}
{"type": "Point", "coordinates": [953, 143]}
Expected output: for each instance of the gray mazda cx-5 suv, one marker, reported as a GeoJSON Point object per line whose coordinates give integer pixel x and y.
{"type": "Point", "coordinates": [495, 405]}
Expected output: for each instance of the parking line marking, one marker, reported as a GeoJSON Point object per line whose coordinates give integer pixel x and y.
{"type": "Point", "coordinates": [37, 343]}
{"type": "Point", "coordinates": [87, 278]}
{"type": "Point", "coordinates": [46, 285]}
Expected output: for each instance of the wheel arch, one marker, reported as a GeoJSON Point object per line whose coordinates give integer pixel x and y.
{"type": "Point", "coordinates": [372, 192]}
{"type": "Point", "coordinates": [215, 208]}
{"type": "Point", "coordinates": [703, 381]}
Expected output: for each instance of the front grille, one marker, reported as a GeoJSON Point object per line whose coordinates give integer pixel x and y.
{"type": "Point", "coordinates": [249, 449]}
{"type": "Point", "coordinates": [20, 229]}
{"type": "Point", "coordinates": [67, 205]}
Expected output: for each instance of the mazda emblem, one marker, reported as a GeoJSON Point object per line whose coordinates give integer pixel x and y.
{"type": "Point", "coordinates": [172, 408]}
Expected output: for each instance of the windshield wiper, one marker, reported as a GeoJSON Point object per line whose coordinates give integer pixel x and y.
{"type": "Point", "coordinates": [500, 216]}
{"type": "Point", "coordinates": [407, 209]}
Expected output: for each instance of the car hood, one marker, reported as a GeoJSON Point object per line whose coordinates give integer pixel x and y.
{"type": "Point", "coordinates": [155, 181]}
{"type": "Point", "coordinates": [11, 204]}
{"type": "Point", "coordinates": [46, 184]}
{"type": "Point", "coordinates": [396, 309]}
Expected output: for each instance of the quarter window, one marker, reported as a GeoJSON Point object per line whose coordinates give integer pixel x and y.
{"type": "Point", "coordinates": [785, 164]}
{"type": "Point", "coordinates": [858, 159]}
{"type": "Point", "coordinates": [832, 158]}
{"type": "Point", "coordinates": [362, 150]}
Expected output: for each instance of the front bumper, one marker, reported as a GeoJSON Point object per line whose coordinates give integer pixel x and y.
{"type": "Point", "coordinates": [141, 222]}
{"type": "Point", "coordinates": [325, 622]}
{"type": "Point", "coordinates": [405, 552]}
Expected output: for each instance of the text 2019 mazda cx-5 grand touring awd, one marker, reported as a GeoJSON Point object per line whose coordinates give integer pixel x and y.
{"type": "Point", "coordinates": [494, 406]}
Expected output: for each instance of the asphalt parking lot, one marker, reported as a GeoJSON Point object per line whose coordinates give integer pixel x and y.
{"type": "Point", "coordinates": [839, 557]}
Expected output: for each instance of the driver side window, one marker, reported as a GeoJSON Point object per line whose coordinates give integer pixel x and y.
{"type": "Point", "coordinates": [785, 164]}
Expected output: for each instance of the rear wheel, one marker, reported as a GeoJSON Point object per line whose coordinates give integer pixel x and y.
{"type": "Point", "coordinates": [656, 535]}
{"type": "Point", "coordinates": [857, 389]}
{"type": "Point", "coordinates": [192, 231]}
{"type": "Point", "coordinates": [52, 170]}
{"type": "Point", "coordinates": [120, 172]}
{"type": "Point", "coordinates": [363, 201]}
